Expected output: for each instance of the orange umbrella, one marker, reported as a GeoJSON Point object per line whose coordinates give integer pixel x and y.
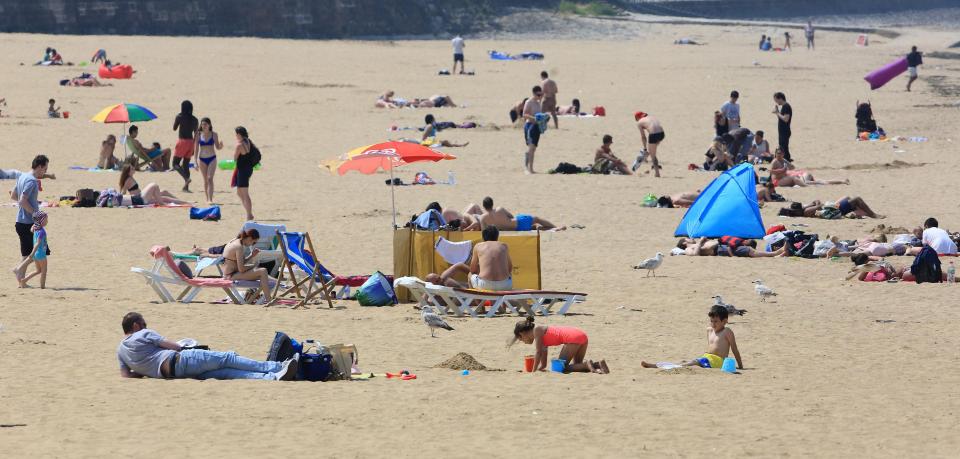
{"type": "Point", "coordinates": [387, 155]}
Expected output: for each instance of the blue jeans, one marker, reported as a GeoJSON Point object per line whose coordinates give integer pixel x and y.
{"type": "Point", "coordinates": [201, 364]}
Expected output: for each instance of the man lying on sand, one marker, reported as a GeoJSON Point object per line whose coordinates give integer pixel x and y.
{"type": "Point", "coordinates": [144, 353]}
{"type": "Point", "coordinates": [845, 206]}
{"type": "Point", "coordinates": [503, 220]}
{"type": "Point", "coordinates": [684, 199]}
{"type": "Point", "coordinates": [726, 246]}
{"type": "Point", "coordinates": [720, 342]}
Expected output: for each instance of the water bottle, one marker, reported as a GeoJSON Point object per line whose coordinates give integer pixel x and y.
{"type": "Point", "coordinates": [451, 179]}
{"type": "Point", "coordinates": [951, 273]}
{"type": "Point", "coordinates": [110, 201]}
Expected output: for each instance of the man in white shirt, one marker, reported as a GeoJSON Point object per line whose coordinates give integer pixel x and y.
{"type": "Point", "coordinates": [937, 238]}
{"type": "Point", "coordinates": [731, 111]}
{"type": "Point", "coordinates": [458, 53]}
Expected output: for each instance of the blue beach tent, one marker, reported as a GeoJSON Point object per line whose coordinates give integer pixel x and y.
{"type": "Point", "coordinates": [726, 207]}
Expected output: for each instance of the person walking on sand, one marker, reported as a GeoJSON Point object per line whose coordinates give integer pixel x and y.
{"type": "Point", "coordinates": [784, 113]}
{"type": "Point", "coordinates": [39, 254]}
{"type": "Point", "coordinates": [649, 125]}
{"type": "Point", "coordinates": [550, 97]}
{"type": "Point", "coordinates": [246, 157]}
{"type": "Point", "coordinates": [808, 32]}
{"type": "Point", "coordinates": [458, 45]}
{"type": "Point", "coordinates": [26, 192]}
{"type": "Point", "coordinates": [731, 111]}
{"type": "Point", "coordinates": [786, 41]}
{"type": "Point", "coordinates": [208, 142]}
{"type": "Point", "coordinates": [914, 60]}
{"type": "Point", "coordinates": [531, 129]}
{"type": "Point", "coordinates": [186, 126]}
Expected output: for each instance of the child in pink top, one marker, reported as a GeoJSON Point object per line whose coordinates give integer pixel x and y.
{"type": "Point", "coordinates": [573, 340]}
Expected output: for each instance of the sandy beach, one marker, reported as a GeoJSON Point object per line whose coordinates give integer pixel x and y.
{"type": "Point", "coordinates": [833, 368]}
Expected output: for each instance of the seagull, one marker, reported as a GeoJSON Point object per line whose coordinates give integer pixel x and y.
{"type": "Point", "coordinates": [432, 320]}
{"type": "Point", "coordinates": [763, 291]}
{"type": "Point", "coordinates": [651, 264]}
{"type": "Point", "coordinates": [729, 307]}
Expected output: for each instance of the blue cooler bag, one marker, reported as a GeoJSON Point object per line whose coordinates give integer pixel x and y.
{"type": "Point", "coordinates": [376, 291]}
{"type": "Point", "coordinates": [315, 362]}
{"type": "Point", "coordinates": [206, 213]}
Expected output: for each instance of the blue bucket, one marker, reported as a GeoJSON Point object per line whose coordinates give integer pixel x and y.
{"type": "Point", "coordinates": [558, 365]}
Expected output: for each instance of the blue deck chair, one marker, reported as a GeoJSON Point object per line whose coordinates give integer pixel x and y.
{"type": "Point", "coordinates": [317, 281]}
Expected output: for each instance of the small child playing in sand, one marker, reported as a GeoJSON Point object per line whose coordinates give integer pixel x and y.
{"type": "Point", "coordinates": [53, 111]}
{"type": "Point", "coordinates": [573, 340]}
{"type": "Point", "coordinates": [39, 255]}
{"type": "Point", "coordinates": [720, 341]}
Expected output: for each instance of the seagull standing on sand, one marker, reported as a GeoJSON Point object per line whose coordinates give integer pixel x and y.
{"type": "Point", "coordinates": [729, 307]}
{"type": "Point", "coordinates": [763, 291]}
{"type": "Point", "coordinates": [432, 320]}
{"type": "Point", "coordinates": [651, 264]}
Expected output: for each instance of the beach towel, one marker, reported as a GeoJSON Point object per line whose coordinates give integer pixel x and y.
{"type": "Point", "coordinates": [205, 213]}
{"type": "Point", "coordinates": [454, 252]}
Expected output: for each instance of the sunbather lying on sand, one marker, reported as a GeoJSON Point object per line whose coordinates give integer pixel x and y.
{"type": "Point", "coordinates": [684, 199]}
{"type": "Point", "coordinates": [506, 221]}
{"type": "Point", "coordinates": [430, 132]}
{"type": "Point", "coordinates": [726, 246]}
{"type": "Point", "coordinates": [150, 194]}
{"type": "Point", "coordinates": [866, 269]}
{"type": "Point", "coordinates": [783, 173]}
{"type": "Point", "coordinates": [846, 206]}
{"type": "Point", "coordinates": [720, 343]}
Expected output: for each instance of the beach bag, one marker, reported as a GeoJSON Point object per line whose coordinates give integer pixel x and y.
{"type": "Point", "coordinates": [108, 195]}
{"type": "Point", "coordinates": [282, 348]}
{"type": "Point", "coordinates": [316, 362]}
{"type": "Point", "coordinates": [650, 200]}
{"type": "Point", "coordinates": [830, 213]}
{"type": "Point", "coordinates": [86, 197]}
{"type": "Point", "coordinates": [566, 168]}
{"type": "Point", "coordinates": [599, 111]}
{"type": "Point", "coordinates": [926, 266]}
{"type": "Point", "coordinates": [205, 213]}
{"type": "Point", "coordinates": [376, 291]}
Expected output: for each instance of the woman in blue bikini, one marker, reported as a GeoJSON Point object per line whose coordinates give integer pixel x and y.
{"type": "Point", "coordinates": [207, 144]}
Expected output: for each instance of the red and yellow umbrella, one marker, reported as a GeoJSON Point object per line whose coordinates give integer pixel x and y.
{"type": "Point", "coordinates": [387, 155]}
{"type": "Point", "coordinates": [124, 113]}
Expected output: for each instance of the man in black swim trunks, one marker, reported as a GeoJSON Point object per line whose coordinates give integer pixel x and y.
{"type": "Point", "coordinates": [531, 130]}
{"type": "Point", "coordinates": [648, 124]}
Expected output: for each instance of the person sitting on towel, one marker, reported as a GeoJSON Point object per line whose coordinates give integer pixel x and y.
{"type": "Point", "coordinates": [505, 221]}
{"type": "Point", "coordinates": [604, 161]}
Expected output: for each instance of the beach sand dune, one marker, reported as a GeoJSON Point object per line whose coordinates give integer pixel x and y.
{"type": "Point", "coordinates": [833, 368]}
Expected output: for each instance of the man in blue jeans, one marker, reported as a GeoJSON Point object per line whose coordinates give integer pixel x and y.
{"type": "Point", "coordinates": [144, 353]}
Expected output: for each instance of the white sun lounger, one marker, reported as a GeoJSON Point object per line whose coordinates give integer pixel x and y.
{"type": "Point", "coordinates": [460, 301]}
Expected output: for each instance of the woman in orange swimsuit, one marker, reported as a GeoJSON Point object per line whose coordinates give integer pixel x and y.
{"type": "Point", "coordinates": [573, 340]}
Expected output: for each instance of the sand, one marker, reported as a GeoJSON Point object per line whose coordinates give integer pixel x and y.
{"type": "Point", "coordinates": [826, 373]}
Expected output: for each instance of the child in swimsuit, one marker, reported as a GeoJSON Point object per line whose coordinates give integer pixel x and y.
{"type": "Point", "coordinates": [720, 342]}
{"type": "Point", "coordinates": [40, 250]}
{"type": "Point", "coordinates": [573, 340]}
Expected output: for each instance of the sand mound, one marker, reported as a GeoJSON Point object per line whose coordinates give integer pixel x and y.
{"type": "Point", "coordinates": [677, 371]}
{"type": "Point", "coordinates": [896, 164]}
{"type": "Point", "coordinates": [462, 361]}
{"type": "Point", "coordinates": [884, 229]}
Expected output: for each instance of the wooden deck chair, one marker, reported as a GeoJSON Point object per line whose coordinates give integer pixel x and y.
{"type": "Point", "coordinates": [314, 281]}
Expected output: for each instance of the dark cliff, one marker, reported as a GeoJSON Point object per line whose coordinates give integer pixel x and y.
{"type": "Point", "coordinates": [258, 18]}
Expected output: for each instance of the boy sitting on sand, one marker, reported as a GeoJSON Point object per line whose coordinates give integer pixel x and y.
{"type": "Point", "coordinates": [720, 341]}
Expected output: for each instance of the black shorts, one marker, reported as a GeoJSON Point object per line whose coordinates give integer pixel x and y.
{"type": "Point", "coordinates": [243, 176]}
{"type": "Point", "coordinates": [531, 133]}
{"type": "Point", "coordinates": [136, 200]}
{"type": "Point", "coordinates": [656, 138]}
{"type": "Point", "coordinates": [457, 57]}
{"type": "Point", "coordinates": [26, 239]}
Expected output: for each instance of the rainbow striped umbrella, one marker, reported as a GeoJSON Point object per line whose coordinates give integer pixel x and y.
{"type": "Point", "coordinates": [124, 113]}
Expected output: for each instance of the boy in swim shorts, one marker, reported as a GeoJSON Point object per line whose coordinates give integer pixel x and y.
{"type": "Point", "coordinates": [720, 342]}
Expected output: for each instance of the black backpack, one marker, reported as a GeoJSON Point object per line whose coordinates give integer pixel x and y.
{"type": "Point", "coordinates": [254, 155]}
{"type": "Point", "coordinates": [926, 266]}
{"type": "Point", "coordinates": [281, 349]}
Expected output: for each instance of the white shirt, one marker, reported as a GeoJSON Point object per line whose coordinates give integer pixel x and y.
{"type": "Point", "coordinates": [939, 240]}
{"type": "Point", "coordinates": [457, 45]}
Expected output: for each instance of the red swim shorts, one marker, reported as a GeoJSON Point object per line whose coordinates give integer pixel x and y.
{"type": "Point", "coordinates": [184, 148]}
